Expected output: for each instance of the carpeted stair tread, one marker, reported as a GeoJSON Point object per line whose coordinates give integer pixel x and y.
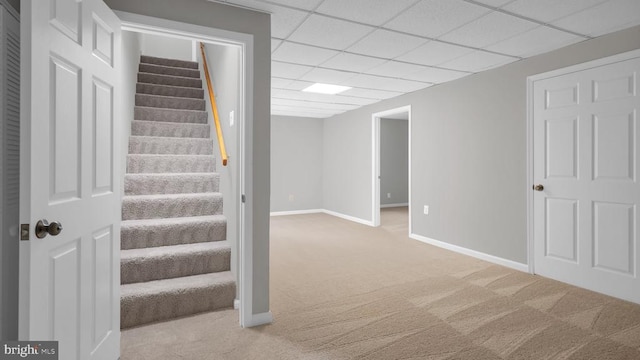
{"type": "Point", "coordinates": [171, 80]}
{"type": "Point", "coordinates": [167, 145]}
{"type": "Point", "coordinates": [175, 183]}
{"type": "Point", "coordinates": [170, 115]}
{"type": "Point", "coordinates": [146, 302]}
{"type": "Point", "coordinates": [158, 163]}
{"type": "Point", "coordinates": [169, 129]}
{"type": "Point", "coordinates": [170, 205]}
{"type": "Point", "coordinates": [141, 233]}
{"type": "Point", "coordinates": [167, 90]}
{"type": "Point", "coordinates": [169, 102]}
{"type": "Point", "coordinates": [167, 262]}
{"type": "Point", "coordinates": [168, 70]}
{"type": "Point", "coordinates": [168, 62]}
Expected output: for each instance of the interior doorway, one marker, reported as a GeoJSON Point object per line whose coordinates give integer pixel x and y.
{"type": "Point", "coordinates": [391, 168]}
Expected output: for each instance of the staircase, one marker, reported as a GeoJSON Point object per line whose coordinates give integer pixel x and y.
{"type": "Point", "coordinates": [175, 260]}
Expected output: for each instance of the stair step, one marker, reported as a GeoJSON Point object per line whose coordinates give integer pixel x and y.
{"type": "Point", "coordinates": [142, 303]}
{"type": "Point", "coordinates": [171, 80]}
{"type": "Point", "coordinates": [170, 115]}
{"type": "Point", "coordinates": [170, 205]}
{"type": "Point", "coordinates": [175, 183]}
{"type": "Point", "coordinates": [154, 163]}
{"type": "Point", "coordinates": [167, 145]}
{"type": "Point", "coordinates": [168, 70]}
{"type": "Point", "coordinates": [167, 102]}
{"type": "Point", "coordinates": [168, 262]}
{"type": "Point", "coordinates": [166, 90]}
{"type": "Point", "coordinates": [136, 234]}
{"type": "Point", "coordinates": [168, 129]}
{"type": "Point", "coordinates": [168, 62]}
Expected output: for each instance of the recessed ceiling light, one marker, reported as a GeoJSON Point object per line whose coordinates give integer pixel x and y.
{"type": "Point", "coordinates": [326, 89]}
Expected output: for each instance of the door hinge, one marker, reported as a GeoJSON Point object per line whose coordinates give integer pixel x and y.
{"type": "Point", "coordinates": [243, 198]}
{"type": "Point", "coordinates": [24, 232]}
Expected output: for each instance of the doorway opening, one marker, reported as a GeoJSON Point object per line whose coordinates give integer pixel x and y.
{"type": "Point", "coordinates": [391, 181]}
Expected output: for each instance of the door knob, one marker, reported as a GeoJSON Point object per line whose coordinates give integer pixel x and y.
{"type": "Point", "coordinates": [43, 228]}
{"type": "Point", "coordinates": [538, 187]}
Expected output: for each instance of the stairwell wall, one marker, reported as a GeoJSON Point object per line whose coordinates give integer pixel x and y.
{"type": "Point", "coordinates": [257, 134]}
{"type": "Point", "coordinates": [131, 48]}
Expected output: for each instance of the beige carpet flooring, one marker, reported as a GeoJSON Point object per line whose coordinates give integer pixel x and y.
{"type": "Point", "coordinates": [341, 290]}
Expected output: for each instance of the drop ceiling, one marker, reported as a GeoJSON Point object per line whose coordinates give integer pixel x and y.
{"type": "Point", "coordinates": [386, 48]}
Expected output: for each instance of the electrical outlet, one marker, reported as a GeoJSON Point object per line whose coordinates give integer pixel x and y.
{"type": "Point", "coordinates": [426, 209]}
{"type": "Point", "coordinates": [388, 195]}
{"type": "Point", "coordinates": [231, 118]}
{"type": "Point", "coordinates": [291, 197]}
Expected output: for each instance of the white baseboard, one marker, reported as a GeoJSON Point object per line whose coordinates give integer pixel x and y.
{"type": "Point", "coordinates": [348, 217]}
{"type": "Point", "coordinates": [296, 212]}
{"type": "Point", "coordinates": [382, 206]}
{"type": "Point", "coordinates": [260, 319]}
{"type": "Point", "coordinates": [473, 253]}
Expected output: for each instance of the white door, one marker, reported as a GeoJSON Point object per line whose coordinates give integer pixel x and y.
{"type": "Point", "coordinates": [69, 283]}
{"type": "Point", "coordinates": [586, 133]}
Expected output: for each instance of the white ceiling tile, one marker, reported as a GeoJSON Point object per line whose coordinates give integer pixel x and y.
{"type": "Point", "coordinates": [537, 41]}
{"type": "Point", "coordinates": [371, 94]}
{"type": "Point", "coordinates": [329, 32]}
{"type": "Point", "coordinates": [395, 69]}
{"type": "Point", "coordinates": [300, 114]}
{"type": "Point", "coordinates": [383, 83]}
{"type": "Point", "coordinates": [386, 44]}
{"type": "Point", "coordinates": [300, 4]}
{"type": "Point", "coordinates": [280, 83]}
{"type": "Point", "coordinates": [434, 53]}
{"type": "Point", "coordinates": [288, 71]}
{"type": "Point", "coordinates": [302, 54]}
{"type": "Point", "coordinates": [327, 76]}
{"type": "Point", "coordinates": [274, 44]}
{"type": "Point", "coordinates": [478, 61]}
{"type": "Point", "coordinates": [432, 18]}
{"type": "Point", "coordinates": [311, 104]}
{"type": "Point", "coordinates": [494, 3]}
{"type": "Point", "coordinates": [602, 19]}
{"type": "Point", "coordinates": [352, 62]}
{"type": "Point", "coordinates": [488, 30]}
{"type": "Point", "coordinates": [437, 76]}
{"type": "Point", "coordinates": [374, 12]}
{"type": "Point", "coordinates": [283, 20]}
{"type": "Point", "coordinates": [307, 96]}
{"type": "Point", "coordinates": [298, 85]}
{"type": "Point", "coordinates": [549, 10]}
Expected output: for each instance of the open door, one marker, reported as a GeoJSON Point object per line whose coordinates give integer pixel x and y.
{"type": "Point", "coordinates": [69, 270]}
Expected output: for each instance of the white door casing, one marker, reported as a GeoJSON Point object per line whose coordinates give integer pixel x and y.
{"type": "Point", "coordinates": [585, 155]}
{"type": "Point", "coordinates": [69, 284]}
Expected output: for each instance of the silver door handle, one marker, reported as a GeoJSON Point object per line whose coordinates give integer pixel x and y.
{"type": "Point", "coordinates": [43, 228]}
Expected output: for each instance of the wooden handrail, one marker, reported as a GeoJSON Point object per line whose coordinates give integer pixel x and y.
{"type": "Point", "coordinates": [214, 107]}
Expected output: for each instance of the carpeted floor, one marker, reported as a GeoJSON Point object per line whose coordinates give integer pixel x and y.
{"type": "Point", "coordinates": [341, 290]}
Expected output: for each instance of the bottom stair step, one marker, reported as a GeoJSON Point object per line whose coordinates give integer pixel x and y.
{"type": "Point", "coordinates": [165, 262]}
{"type": "Point", "coordinates": [143, 303]}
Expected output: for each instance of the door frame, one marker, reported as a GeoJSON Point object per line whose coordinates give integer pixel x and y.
{"type": "Point", "coordinates": [529, 132]}
{"type": "Point", "coordinates": [244, 120]}
{"type": "Point", "coordinates": [375, 163]}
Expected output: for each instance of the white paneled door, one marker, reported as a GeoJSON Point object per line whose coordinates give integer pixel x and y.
{"type": "Point", "coordinates": [585, 164]}
{"type": "Point", "coordinates": [69, 277]}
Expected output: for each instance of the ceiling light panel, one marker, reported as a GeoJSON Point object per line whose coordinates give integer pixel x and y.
{"type": "Point", "coordinates": [337, 99]}
{"type": "Point", "coordinates": [373, 12]}
{"type": "Point", "coordinates": [478, 61]}
{"type": "Point", "coordinates": [302, 54]}
{"type": "Point", "coordinates": [327, 76]}
{"type": "Point", "coordinates": [283, 19]}
{"type": "Point", "coordinates": [329, 89]}
{"type": "Point", "coordinates": [549, 10]}
{"type": "Point", "coordinates": [395, 69]}
{"type": "Point", "coordinates": [488, 30]}
{"type": "Point", "coordinates": [432, 18]}
{"type": "Point", "coordinates": [434, 53]}
{"type": "Point", "coordinates": [537, 41]}
{"type": "Point", "coordinates": [298, 85]}
{"type": "Point", "coordinates": [386, 44]}
{"type": "Point", "coordinates": [437, 76]}
{"type": "Point", "coordinates": [329, 32]}
{"type": "Point", "coordinates": [371, 94]}
{"type": "Point", "coordinates": [352, 62]}
{"type": "Point", "coordinates": [288, 71]}
{"type": "Point", "coordinates": [607, 17]}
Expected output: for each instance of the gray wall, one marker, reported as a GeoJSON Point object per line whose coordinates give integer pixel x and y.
{"type": "Point", "coordinates": [394, 161]}
{"type": "Point", "coordinates": [468, 152]}
{"type": "Point", "coordinates": [215, 15]}
{"type": "Point", "coordinates": [166, 47]}
{"type": "Point", "coordinates": [296, 163]}
{"type": "Point", "coordinates": [131, 48]}
{"type": "Point", "coordinates": [224, 66]}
